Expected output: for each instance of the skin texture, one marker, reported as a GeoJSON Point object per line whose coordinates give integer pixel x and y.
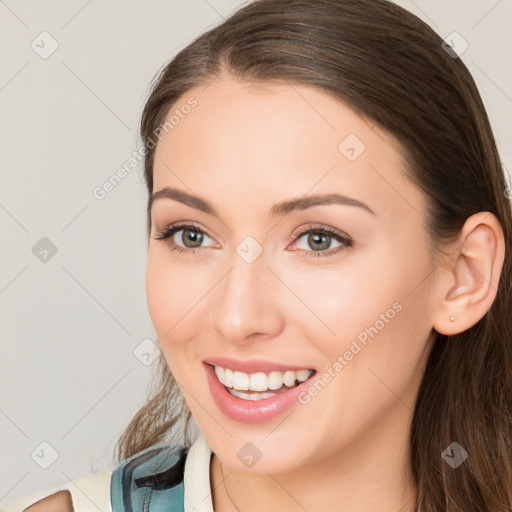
{"type": "Point", "coordinates": [244, 148]}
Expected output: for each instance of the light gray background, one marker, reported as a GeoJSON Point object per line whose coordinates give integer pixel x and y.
{"type": "Point", "coordinates": [69, 326]}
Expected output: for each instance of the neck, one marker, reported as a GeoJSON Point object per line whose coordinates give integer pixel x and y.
{"type": "Point", "coordinates": [370, 473]}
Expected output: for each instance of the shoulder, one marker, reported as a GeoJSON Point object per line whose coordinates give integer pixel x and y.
{"type": "Point", "coordinates": [150, 479]}
{"type": "Point", "coordinates": [75, 495]}
{"type": "Point", "coordinates": [58, 502]}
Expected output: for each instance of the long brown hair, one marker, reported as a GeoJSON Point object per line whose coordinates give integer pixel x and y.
{"type": "Point", "coordinates": [391, 68]}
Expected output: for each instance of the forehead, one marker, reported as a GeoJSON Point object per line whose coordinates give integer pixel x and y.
{"type": "Point", "coordinates": [272, 141]}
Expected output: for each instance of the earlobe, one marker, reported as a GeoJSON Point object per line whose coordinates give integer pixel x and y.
{"type": "Point", "coordinates": [470, 281]}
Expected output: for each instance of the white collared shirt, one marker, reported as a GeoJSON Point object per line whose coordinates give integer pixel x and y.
{"type": "Point", "coordinates": [197, 491]}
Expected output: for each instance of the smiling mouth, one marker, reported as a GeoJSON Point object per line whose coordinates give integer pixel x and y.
{"type": "Point", "coordinates": [260, 385]}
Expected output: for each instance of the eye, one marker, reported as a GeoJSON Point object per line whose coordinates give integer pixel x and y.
{"type": "Point", "coordinates": [191, 237]}
{"type": "Point", "coordinates": [320, 239]}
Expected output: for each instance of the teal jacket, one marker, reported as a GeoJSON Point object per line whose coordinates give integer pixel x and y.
{"type": "Point", "coordinates": [150, 481]}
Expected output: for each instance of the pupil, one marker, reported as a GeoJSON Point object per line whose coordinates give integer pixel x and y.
{"type": "Point", "coordinates": [319, 239]}
{"type": "Point", "coordinates": [189, 235]}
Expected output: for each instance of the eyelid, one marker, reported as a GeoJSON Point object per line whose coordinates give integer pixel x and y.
{"type": "Point", "coordinates": [181, 225]}
{"type": "Point", "coordinates": [166, 234]}
{"type": "Point", "coordinates": [320, 227]}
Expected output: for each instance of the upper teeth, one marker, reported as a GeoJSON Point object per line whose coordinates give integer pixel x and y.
{"type": "Point", "coordinates": [260, 381]}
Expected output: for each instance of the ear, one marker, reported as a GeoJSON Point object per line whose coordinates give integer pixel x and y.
{"type": "Point", "coordinates": [469, 283]}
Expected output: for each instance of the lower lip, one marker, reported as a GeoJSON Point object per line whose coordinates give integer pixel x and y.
{"type": "Point", "coordinates": [249, 411]}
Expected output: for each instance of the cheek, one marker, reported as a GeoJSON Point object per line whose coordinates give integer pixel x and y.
{"type": "Point", "coordinates": [370, 326]}
{"type": "Point", "coordinates": [173, 303]}
{"type": "Point", "coordinates": [374, 296]}
{"type": "Point", "coordinates": [173, 294]}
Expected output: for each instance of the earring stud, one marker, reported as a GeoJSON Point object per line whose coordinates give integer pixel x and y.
{"type": "Point", "coordinates": [452, 319]}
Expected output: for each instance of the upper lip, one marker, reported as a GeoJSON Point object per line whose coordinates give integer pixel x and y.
{"type": "Point", "coordinates": [252, 365]}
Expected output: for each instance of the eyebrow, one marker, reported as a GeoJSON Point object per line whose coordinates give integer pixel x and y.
{"type": "Point", "coordinates": [278, 209]}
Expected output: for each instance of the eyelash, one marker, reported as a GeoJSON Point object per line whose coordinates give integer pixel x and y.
{"type": "Point", "coordinates": [172, 229]}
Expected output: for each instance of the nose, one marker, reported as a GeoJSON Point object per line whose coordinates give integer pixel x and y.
{"type": "Point", "coordinates": [247, 303]}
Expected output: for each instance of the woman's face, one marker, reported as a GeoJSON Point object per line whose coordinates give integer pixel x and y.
{"type": "Point", "coordinates": [354, 305]}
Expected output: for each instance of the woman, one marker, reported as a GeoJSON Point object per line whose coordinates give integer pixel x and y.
{"type": "Point", "coordinates": [328, 274]}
